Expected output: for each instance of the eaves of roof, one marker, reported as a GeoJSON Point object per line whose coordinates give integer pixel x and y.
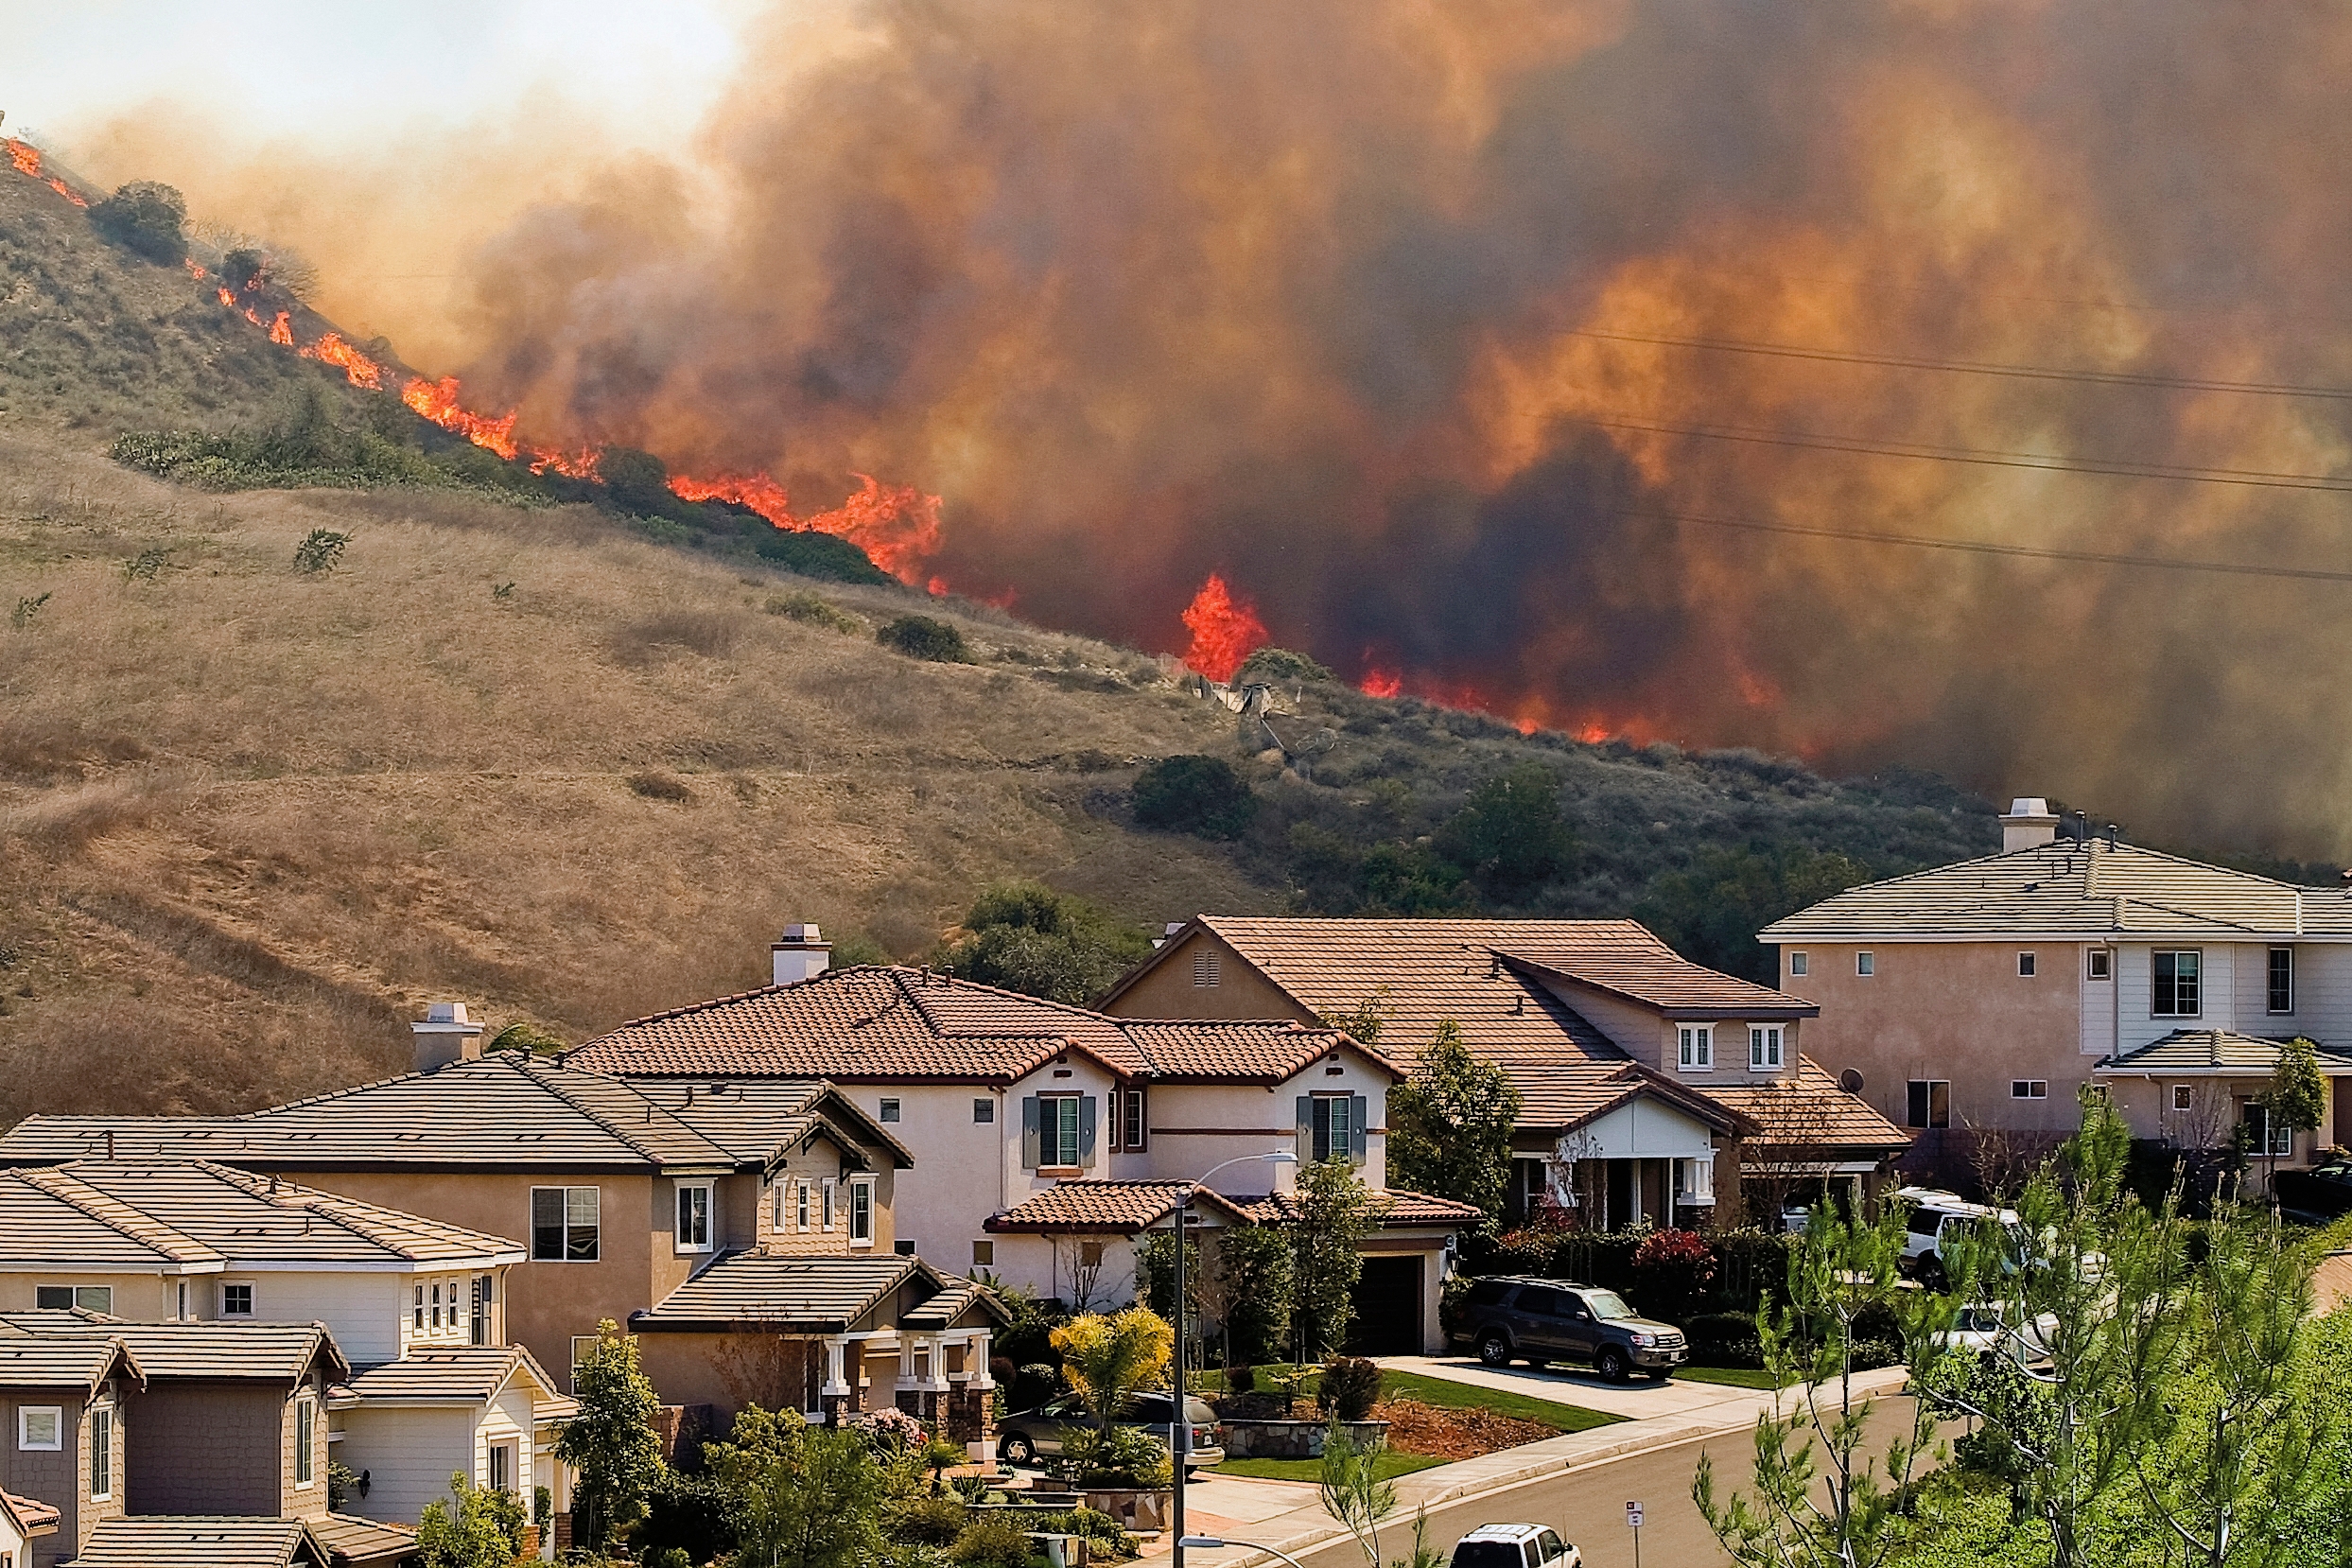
{"type": "Point", "coordinates": [1750, 1002]}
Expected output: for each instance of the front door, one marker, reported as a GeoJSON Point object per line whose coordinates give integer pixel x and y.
{"type": "Point", "coordinates": [1622, 1209]}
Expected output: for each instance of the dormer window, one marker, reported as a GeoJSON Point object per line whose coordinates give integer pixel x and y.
{"type": "Point", "coordinates": [1696, 1048]}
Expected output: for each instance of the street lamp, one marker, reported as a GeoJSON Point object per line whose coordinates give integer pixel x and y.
{"type": "Point", "coordinates": [1212, 1543]}
{"type": "Point", "coordinates": [1181, 1431]}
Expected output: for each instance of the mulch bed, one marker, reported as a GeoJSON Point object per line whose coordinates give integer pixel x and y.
{"type": "Point", "coordinates": [1413, 1427]}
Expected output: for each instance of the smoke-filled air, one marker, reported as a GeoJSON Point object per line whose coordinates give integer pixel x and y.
{"type": "Point", "coordinates": [1625, 368]}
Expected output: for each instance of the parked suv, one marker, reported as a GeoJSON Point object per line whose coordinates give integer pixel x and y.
{"type": "Point", "coordinates": [2317, 1195]}
{"type": "Point", "coordinates": [1507, 1317]}
{"type": "Point", "coordinates": [1515, 1547]}
{"type": "Point", "coordinates": [1939, 1222]}
{"type": "Point", "coordinates": [1026, 1434]}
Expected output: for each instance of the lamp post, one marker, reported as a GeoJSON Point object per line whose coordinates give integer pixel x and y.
{"type": "Point", "coordinates": [1180, 1429]}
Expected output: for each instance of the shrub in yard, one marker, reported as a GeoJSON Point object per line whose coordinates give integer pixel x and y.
{"type": "Point", "coordinates": [1351, 1388]}
{"type": "Point", "coordinates": [1241, 1378]}
{"type": "Point", "coordinates": [924, 637]}
{"type": "Point", "coordinates": [1672, 1270]}
{"type": "Point", "coordinates": [932, 1521]}
{"type": "Point", "coordinates": [991, 1543]}
{"type": "Point", "coordinates": [1194, 794]}
{"type": "Point", "coordinates": [1116, 1456]}
{"type": "Point", "coordinates": [1724, 1339]}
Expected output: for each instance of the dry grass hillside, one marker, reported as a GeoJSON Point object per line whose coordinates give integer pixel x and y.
{"type": "Point", "coordinates": [249, 819]}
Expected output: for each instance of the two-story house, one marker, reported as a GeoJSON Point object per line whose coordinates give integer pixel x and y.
{"type": "Point", "coordinates": [62, 1401]}
{"type": "Point", "coordinates": [1981, 997]}
{"type": "Point", "coordinates": [1650, 1085]}
{"type": "Point", "coordinates": [1009, 1098]}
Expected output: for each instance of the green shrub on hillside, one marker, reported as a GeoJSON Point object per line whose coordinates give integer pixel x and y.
{"type": "Point", "coordinates": [1194, 794]}
{"type": "Point", "coordinates": [925, 637]}
{"type": "Point", "coordinates": [1026, 937]}
{"type": "Point", "coordinates": [815, 610]}
{"type": "Point", "coordinates": [144, 218]}
{"type": "Point", "coordinates": [813, 554]}
{"type": "Point", "coordinates": [1278, 664]}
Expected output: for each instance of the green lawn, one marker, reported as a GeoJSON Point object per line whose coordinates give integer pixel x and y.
{"type": "Point", "coordinates": [1736, 1377]}
{"type": "Point", "coordinates": [1447, 1394]}
{"type": "Point", "coordinates": [1386, 1466]}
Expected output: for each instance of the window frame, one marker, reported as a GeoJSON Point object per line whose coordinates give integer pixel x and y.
{"type": "Point", "coordinates": [2156, 962]}
{"type": "Point", "coordinates": [1923, 1092]}
{"type": "Point", "coordinates": [802, 1204]}
{"type": "Point", "coordinates": [305, 1440]}
{"type": "Point", "coordinates": [1051, 1131]}
{"type": "Point", "coordinates": [1767, 1048]}
{"type": "Point", "coordinates": [1208, 971]}
{"type": "Point", "coordinates": [1864, 963]}
{"type": "Point", "coordinates": [2027, 964]}
{"type": "Point", "coordinates": [499, 1455]}
{"type": "Point", "coordinates": [985, 1253]}
{"type": "Point", "coordinates": [983, 1110]}
{"type": "Point", "coordinates": [244, 1285]}
{"type": "Point", "coordinates": [686, 1214]}
{"type": "Point", "coordinates": [828, 1187]}
{"type": "Point", "coordinates": [567, 1249]}
{"type": "Point", "coordinates": [1694, 1047]}
{"type": "Point", "coordinates": [2267, 1142]}
{"type": "Point", "coordinates": [578, 1342]}
{"type": "Point", "coordinates": [57, 1430]}
{"type": "Point", "coordinates": [2183, 1099]}
{"type": "Point", "coordinates": [1130, 1132]}
{"type": "Point", "coordinates": [888, 1108]}
{"type": "Point", "coordinates": [416, 1309]}
{"type": "Point", "coordinates": [2029, 1088]}
{"type": "Point", "coordinates": [1330, 1132]}
{"type": "Point", "coordinates": [2099, 965]}
{"type": "Point", "coordinates": [73, 1302]}
{"type": "Point", "coordinates": [860, 1216]}
{"type": "Point", "coordinates": [99, 1429]}
{"type": "Point", "coordinates": [2273, 984]}
{"type": "Point", "coordinates": [1799, 965]}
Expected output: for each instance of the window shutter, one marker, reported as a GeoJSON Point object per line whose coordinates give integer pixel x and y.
{"type": "Point", "coordinates": [1086, 1133]}
{"type": "Point", "coordinates": [1358, 1116]}
{"type": "Point", "coordinates": [1028, 1132]}
{"type": "Point", "coordinates": [1306, 1128]}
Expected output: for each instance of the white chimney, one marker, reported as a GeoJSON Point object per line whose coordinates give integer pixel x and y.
{"type": "Point", "coordinates": [2028, 824]}
{"type": "Point", "coordinates": [800, 954]}
{"type": "Point", "coordinates": [447, 1034]}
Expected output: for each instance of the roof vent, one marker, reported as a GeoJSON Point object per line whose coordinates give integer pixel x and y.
{"type": "Point", "coordinates": [2028, 824]}
{"type": "Point", "coordinates": [447, 1034]}
{"type": "Point", "coordinates": [801, 954]}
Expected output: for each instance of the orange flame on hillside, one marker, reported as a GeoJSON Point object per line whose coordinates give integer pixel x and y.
{"type": "Point", "coordinates": [898, 525]}
{"type": "Point", "coordinates": [226, 298]}
{"type": "Point", "coordinates": [546, 459]}
{"type": "Point", "coordinates": [1225, 631]}
{"type": "Point", "coordinates": [26, 157]}
{"type": "Point", "coordinates": [282, 331]}
{"type": "Point", "coordinates": [196, 268]}
{"type": "Point", "coordinates": [356, 367]}
{"type": "Point", "coordinates": [438, 402]}
{"type": "Point", "coordinates": [1381, 683]}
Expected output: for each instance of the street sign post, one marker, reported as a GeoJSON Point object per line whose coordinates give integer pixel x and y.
{"type": "Point", "coordinates": [1634, 1522]}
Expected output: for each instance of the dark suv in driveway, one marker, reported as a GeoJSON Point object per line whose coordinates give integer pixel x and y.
{"type": "Point", "coordinates": [1507, 1317]}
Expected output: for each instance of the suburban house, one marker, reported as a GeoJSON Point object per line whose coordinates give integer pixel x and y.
{"type": "Point", "coordinates": [63, 1447]}
{"type": "Point", "coordinates": [23, 1521]}
{"type": "Point", "coordinates": [1973, 1002]}
{"type": "Point", "coordinates": [1011, 1099]}
{"type": "Point", "coordinates": [628, 1196]}
{"type": "Point", "coordinates": [1651, 1088]}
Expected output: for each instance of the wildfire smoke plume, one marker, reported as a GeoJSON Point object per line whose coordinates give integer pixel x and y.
{"type": "Point", "coordinates": [1570, 354]}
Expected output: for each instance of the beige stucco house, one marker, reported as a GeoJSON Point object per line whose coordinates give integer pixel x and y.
{"type": "Point", "coordinates": [1974, 1001]}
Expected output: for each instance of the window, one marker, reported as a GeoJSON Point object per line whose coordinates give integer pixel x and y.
{"type": "Point", "coordinates": [890, 1111]}
{"type": "Point", "coordinates": [1089, 1254]}
{"type": "Point", "coordinates": [581, 1344]}
{"type": "Point", "coordinates": [1697, 1047]}
{"type": "Point", "coordinates": [2029, 1088]}
{"type": "Point", "coordinates": [501, 1467]}
{"type": "Point", "coordinates": [1865, 964]}
{"type": "Point", "coordinates": [2183, 1097]}
{"type": "Point", "coordinates": [694, 1218]}
{"type": "Point", "coordinates": [416, 1311]}
{"type": "Point", "coordinates": [1057, 1131]}
{"type": "Point", "coordinates": [1128, 1134]}
{"type": "Point", "coordinates": [860, 1213]}
{"type": "Point", "coordinates": [984, 1254]}
{"type": "Point", "coordinates": [984, 1112]}
{"type": "Point", "coordinates": [1796, 965]}
{"type": "Point", "coordinates": [181, 1314]}
{"type": "Point", "coordinates": [101, 1452]}
{"type": "Point", "coordinates": [436, 1306]}
{"type": "Point", "coordinates": [1204, 965]}
{"type": "Point", "coordinates": [563, 1224]}
{"type": "Point", "coordinates": [1333, 1126]}
{"type": "Point", "coordinates": [39, 1427]}
{"type": "Point", "coordinates": [2282, 987]}
{"type": "Point", "coordinates": [1931, 1103]}
{"type": "Point", "coordinates": [2173, 989]}
{"type": "Point", "coordinates": [66, 1297]}
{"type": "Point", "coordinates": [2025, 965]}
{"type": "Point", "coordinates": [2277, 1141]}
{"type": "Point", "coordinates": [237, 1300]}
{"type": "Point", "coordinates": [803, 1203]}
{"type": "Point", "coordinates": [828, 1187]}
{"type": "Point", "coordinates": [1764, 1048]}
{"type": "Point", "coordinates": [902, 1246]}
{"type": "Point", "coordinates": [480, 1324]}
{"type": "Point", "coordinates": [306, 1436]}
{"type": "Point", "coordinates": [2098, 964]}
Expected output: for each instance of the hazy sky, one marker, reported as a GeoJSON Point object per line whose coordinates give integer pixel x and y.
{"type": "Point", "coordinates": [336, 70]}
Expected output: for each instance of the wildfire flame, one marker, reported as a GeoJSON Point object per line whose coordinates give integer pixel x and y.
{"type": "Point", "coordinates": [226, 298]}
{"type": "Point", "coordinates": [196, 268]}
{"type": "Point", "coordinates": [898, 525]}
{"type": "Point", "coordinates": [1382, 683]}
{"type": "Point", "coordinates": [282, 330]}
{"type": "Point", "coordinates": [757, 491]}
{"type": "Point", "coordinates": [26, 157]}
{"type": "Point", "coordinates": [331, 349]}
{"type": "Point", "coordinates": [438, 402]}
{"type": "Point", "coordinates": [1225, 631]}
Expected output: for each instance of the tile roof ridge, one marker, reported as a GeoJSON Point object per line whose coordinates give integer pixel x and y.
{"type": "Point", "coordinates": [627, 1141]}
{"type": "Point", "coordinates": [122, 1218]}
{"type": "Point", "coordinates": [709, 1002]}
{"type": "Point", "coordinates": [952, 979]}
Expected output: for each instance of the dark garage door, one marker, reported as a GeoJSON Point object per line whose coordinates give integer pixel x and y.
{"type": "Point", "coordinates": [1387, 1308]}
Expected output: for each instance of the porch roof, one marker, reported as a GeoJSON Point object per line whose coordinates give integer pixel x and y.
{"type": "Point", "coordinates": [2214, 1053]}
{"type": "Point", "coordinates": [804, 1293]}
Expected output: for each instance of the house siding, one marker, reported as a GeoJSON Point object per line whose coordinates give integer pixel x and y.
{"type": "Point", "coordinates": [1241, 992]}
{"type": "Point", "coordinates": [207, 1447]}
{"type": "Point", "coordinates": [408, 1453]}
{"type": "Point", "coordinates": [62, 1477]}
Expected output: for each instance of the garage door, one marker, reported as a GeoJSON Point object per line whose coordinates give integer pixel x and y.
{"type": "Point", "coordinates": [1387, 1308]}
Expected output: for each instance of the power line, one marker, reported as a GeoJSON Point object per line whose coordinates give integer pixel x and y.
{"type": "Point", "coordinates": [1978, 546]}
{"type": "Point", "coordinates": [2259, 478]}
{"type": "Point", "coordinates": [1974, 366]}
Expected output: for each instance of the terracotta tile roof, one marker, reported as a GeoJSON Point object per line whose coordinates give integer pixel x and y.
{"type": "Point", "coordinates": [196, 1540]}
{"type": "Point", "coordinates": [29, 1361]}
{"type": "Point", "coordinates": [1106, 1207]}
{"type": "Point", "coordinates": [197, 1213]}
{"type": "Point", "coordinates": [30, 1516]}
{"type": "Point", "coordinates": [799, 1294]}
{"type": "Point", "coordinates": [2215, 1052]}
{"type": "Point", "coordinates": [2071, 890]}
{"type": "Point", "coordinates": [278, 1352]}
{"type": "Point", "coordinates": [868, 1023]}
{"type": "Point", "coordinates": [1809, 1111]}
{"type": "Point", "coordinates": [1399, 1209]}
{"type": "Point", "coordinates": [464, 1373]}
{"type": "Point", "coordinates": [1653, 975]}
{"type": "Point", "coordinates": [351, 1540]}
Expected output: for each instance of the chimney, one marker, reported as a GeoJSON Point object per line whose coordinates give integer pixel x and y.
{"type": "Point", "coordinates": [800, 954]}
{"type": "Point", "coordinates": [2028, 824]}
{"type": "Point", "coordinates": [446, 1036]}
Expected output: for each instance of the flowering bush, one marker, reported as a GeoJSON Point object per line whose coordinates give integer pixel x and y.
{"type": "Point", "coordinates": [890, 1429]}
{"type": "Point", "coordinates": [1672, 1270]}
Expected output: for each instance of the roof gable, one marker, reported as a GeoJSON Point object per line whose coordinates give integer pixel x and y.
{"type": "Point", "coordinates": [195, 1540]}
{"type": "Point", "coordinates": [277, 1353]}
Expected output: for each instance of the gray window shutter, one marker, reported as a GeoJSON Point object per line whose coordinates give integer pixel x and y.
{"type": "Point", "coordinates": [1086, 1133]}
{"type": "Point", "coordinates": [1306, 1128]}
{"type": "Point", "coordinates": [1028, 1132]}
{"type": "Point", "coordinates": [1356, 1118]}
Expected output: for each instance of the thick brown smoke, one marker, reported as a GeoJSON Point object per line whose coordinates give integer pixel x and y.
{"type": "Point", "coordinates": [1303, 293]}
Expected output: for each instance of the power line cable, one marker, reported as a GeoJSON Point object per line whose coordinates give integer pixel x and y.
{"type": "Point", "coordinates": [1980, 546]}
{"type": "Point", "coordinates": [1973, 367]}
{"type": "Point", "coordinates": [2259, 478]}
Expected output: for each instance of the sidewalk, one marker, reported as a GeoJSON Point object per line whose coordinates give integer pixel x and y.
{"type": "Point", "coordinates": [1687, 1412]}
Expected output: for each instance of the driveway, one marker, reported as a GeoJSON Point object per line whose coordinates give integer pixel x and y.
{"type": "Point", "coordinates": [1678, 1398]}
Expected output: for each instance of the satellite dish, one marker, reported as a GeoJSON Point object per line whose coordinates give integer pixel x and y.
{"type": "Point", "coordinates": [1850, 1080]}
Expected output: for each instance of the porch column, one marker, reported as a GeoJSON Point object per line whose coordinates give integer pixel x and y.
{"type": "Point", "coordinates": [976, 1373]}
{"type": "Point", "coordinates": [969, 1417]}
{"type": "Point", "coordinates": [908, 1394]}
{"type": "Point", "coordinates": [834, 1397]}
